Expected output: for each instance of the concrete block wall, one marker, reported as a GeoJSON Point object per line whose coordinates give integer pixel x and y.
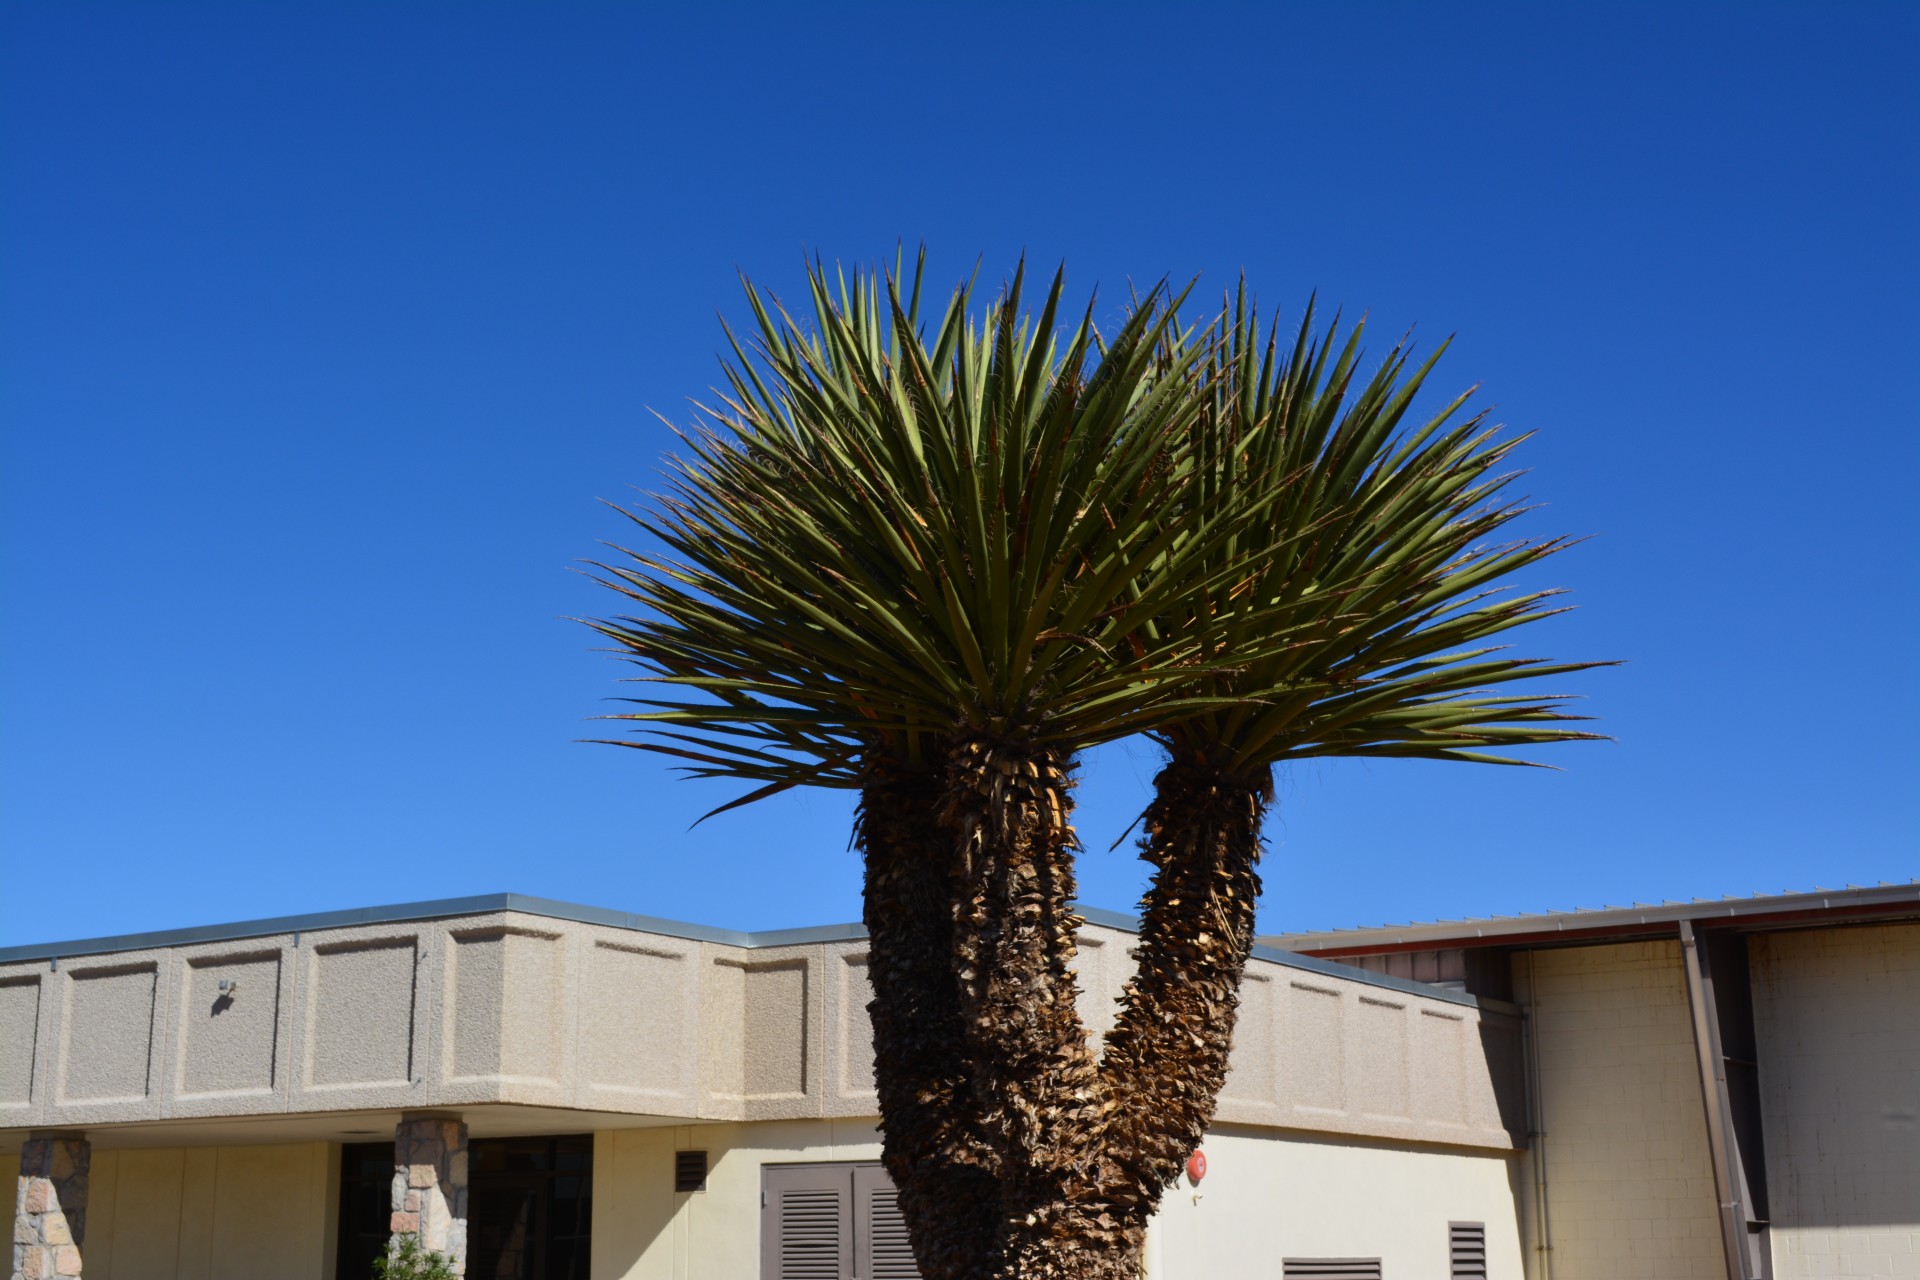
{"type": "Point", "coordinates": [1630, 1180]}
{"type": "Point", "coordinates": [1837, 1013]}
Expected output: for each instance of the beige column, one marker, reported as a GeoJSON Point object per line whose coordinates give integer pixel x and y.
{"type": "Point", "coordinates": [430, 1183]}
{"type": "Point", "coordinates": [50, 1206]}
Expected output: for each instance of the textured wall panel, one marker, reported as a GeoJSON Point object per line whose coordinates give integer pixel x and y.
{"type": "Point", "coordinates": [1316, 1049]}
{"type": "Point", "coordinates": [1379, 1059]}
{"type": "Point", "coordinates": [1104, 965]}
{"type": "Point", "coordinates": [635, 1030]}
{"type": "Point", "coordinates": [360, 1013]}
{"type": "Point", "coordinates": [505, 1006]}
{"type": "Point", "coordinates": [107, 1039]}
{"type": "Point", "coordinates": [855, 1028]}
{"type": "Point", "coordinates": [776, 1030]}
{"type": "Point", "coordinates": [723, 1033]}
{"type": "Point", "coordinates": [19, 1034]}
{"type": "Point", "coordinates": [1250, 1070]}
{"type": "Point", "coordinates": [1439, 1085]}
{"type": "Point", "coordinates": [229, 1041]}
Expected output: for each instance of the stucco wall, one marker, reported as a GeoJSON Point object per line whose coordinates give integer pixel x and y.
{"type": "Point", "coordinates": [1838, 1017]}
{"type": "Point", "coordinates": [1630, 1180]}
{"type": "Point", "coordinates": [213, 1213]}
{"type": "Point", "coordinates": [516, 1008]}
{"type": "Point", "coordinates": [1267, 1195]}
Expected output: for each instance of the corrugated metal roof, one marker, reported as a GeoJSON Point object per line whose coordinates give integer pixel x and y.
{"type": "Point", "coordinates": [1602, 918]}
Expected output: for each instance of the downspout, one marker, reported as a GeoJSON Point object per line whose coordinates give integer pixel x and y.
{"type": "Point", "coordinates": [1724, 1153]}
{"type": "Point", "coordinates": [1537, 1134]}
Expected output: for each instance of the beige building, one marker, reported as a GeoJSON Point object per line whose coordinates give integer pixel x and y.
{"type": "Point", "coordinates": [1725, 1088]}
{"type": "Point", "coordinates": [553, 1092]}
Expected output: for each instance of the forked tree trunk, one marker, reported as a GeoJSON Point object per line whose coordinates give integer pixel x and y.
{"type": "Point", "coordinates": [931, 1145]}
{"type": "Point", "coordinates": [1016, 1153]}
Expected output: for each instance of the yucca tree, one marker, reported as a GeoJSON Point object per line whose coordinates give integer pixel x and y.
{"type": "Point", "coordinates": [935, 566]}
{"type": "Point", "coordinates": [926, 566]}
{"type": "Point", "coordinates": [1378, 566]}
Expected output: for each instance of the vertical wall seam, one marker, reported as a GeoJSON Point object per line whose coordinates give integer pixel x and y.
{"type": "Point", "coordinates": [1537, 1125]}
{"type": "Point", "coordinates": [213, 1217]}
{"type": "Point", "coordinates": [179, 1215]}
{"type": "Point", "coordinates": [1708, 1055]}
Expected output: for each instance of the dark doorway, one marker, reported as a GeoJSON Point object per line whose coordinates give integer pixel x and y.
{"type": "Point", "coordinates": [529, 1207]}
{"type": "Point", "coordinates": [366, 1207]}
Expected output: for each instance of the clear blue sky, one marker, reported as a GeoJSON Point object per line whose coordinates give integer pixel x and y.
{"type": "Point", "coordinates": [322, 329]}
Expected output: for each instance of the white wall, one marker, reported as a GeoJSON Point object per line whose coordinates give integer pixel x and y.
{"type": "Point", "coordinates": [1837, 1012]}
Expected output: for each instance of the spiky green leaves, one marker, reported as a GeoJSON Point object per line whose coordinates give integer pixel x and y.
{"type": "Point", "coordinates": [885, 533]}
{"type": "Point", "coordinates": [1376, 566]}
{"type": "Point", "coordinates": [880, 538]}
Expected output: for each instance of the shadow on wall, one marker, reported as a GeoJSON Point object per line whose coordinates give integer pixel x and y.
{"type": "Point", "coordinates": [1506, 1065]}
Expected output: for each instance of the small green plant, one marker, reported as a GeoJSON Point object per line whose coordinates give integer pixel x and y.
{"type": "Point", "coordinates": [406, 1259]}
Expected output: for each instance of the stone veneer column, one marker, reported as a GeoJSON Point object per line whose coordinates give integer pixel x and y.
{"type": "Point", "coordinates": [430, 1183]}
{"type": "Point", "coordinates": [50, 1206]}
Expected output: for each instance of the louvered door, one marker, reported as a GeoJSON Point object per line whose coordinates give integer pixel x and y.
{"type": "Point", "coordinates": [1467, 1249]}
{"type": "Point", "coordinates": [832, 1222]}
{"type": "Point", "coordinates": [880, 1247]}
{"type": "Point", "coordinates": [806, 1226]}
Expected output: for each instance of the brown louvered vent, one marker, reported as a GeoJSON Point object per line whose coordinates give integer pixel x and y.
{"type": "Point", "coordinates": [812, 1237]}
{"type": "Point", "coordinates": [1467, 1245]}
{"type": "Point", "coordinates": [1330, 1268]}
{"type": "Point", "coordinates": [689, 1171]}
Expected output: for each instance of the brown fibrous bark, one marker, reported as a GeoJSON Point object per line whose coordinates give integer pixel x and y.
{"type": "Point", "coordinates": [1165, 1059]}
{"type": "Point", "coordinates": [1016, 1151]}
{"type": "Point", "coordinates": [931, 1144]}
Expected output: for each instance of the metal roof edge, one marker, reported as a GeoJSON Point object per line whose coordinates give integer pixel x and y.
{"type": "Point", "coordinates": [492, 903]}
{"type": "Point", "coordinates": [1108, 919]}
{"type": "Point", "coordinates": [439, 908]}
{"type": "Point", "coordinates": [1600, 919]}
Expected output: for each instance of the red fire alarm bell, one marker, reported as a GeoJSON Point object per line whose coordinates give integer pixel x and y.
{"type": "Point", "coordinates": [1197, 1166]}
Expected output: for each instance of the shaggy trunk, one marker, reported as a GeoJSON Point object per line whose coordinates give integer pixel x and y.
{"type": "Point", "coordinates": [1016, 1153]}
{"type": "Point", "coordinates": [1166, 1057]}
{"type": "Point", "coordinates": [1036, 1084]}
{"type": "Point", "coordinates": [932, 1145]}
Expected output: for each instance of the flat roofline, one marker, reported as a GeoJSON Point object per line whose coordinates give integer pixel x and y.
{"type": "Point", "coordinates": [1821, 905]}
{"type": "Point", "coordinates": [490, 903]}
